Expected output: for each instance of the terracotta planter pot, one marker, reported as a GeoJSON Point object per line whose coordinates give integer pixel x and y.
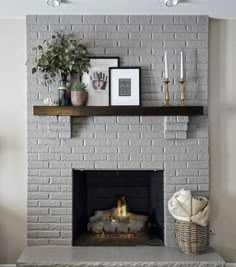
{"type": "Point", "coordinates": [79, 98]}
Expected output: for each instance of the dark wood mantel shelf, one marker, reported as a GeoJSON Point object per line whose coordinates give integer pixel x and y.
{"type": "Point", "coordinates": [118, 111]}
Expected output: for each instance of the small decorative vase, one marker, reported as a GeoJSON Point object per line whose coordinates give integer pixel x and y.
{"type": "Point", "coordinates": [62, 95]}
{"type": "Point", "coordinates": [79, 98]}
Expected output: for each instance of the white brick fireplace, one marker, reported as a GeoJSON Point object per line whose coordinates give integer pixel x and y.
{"type": "Point", "coordinates": [176, 145]}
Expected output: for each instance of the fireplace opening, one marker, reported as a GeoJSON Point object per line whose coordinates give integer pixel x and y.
{"type": "Point", "coordinates": [118, 208]}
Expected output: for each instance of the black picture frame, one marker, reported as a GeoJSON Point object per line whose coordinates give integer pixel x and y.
{"type": "Point", "coordinates": [139, 84]}
{"type": "Point", "coordinates": [99, 97]}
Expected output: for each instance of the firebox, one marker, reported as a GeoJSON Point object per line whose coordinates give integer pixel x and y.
{"type": "Point", "coordinates": [118, 208]}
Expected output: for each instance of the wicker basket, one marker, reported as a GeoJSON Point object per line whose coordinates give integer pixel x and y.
{"type": "Point", "coordinates": [191, 237]}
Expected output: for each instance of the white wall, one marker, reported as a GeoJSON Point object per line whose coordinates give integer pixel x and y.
{"type": "Point", "coordinates": [222, 111]}
{"type": "Point", "coordinates": [12, 139]}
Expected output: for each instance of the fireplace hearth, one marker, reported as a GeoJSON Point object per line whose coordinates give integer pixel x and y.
{"type": "Point", "coordinates": [112, 208]}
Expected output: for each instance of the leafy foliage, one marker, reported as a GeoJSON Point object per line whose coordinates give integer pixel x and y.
{"type": "Point", "coordinates": [60, 55]}
{"type": "Point", "coordinates": [78, 86]}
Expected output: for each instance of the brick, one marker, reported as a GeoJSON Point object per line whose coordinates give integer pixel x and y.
{"type": "Point", "coordinates": [198, 165]}
{"type": "Point", "coordinates": [58, 211]}
{"type": "Point", "coordinates": [175, 149]}
{"type": "Point", "coordinates": [117, 19]}
{"type": "Point", "coordinates": [49, 203]}
{"type": "Point", "coordinates": [58, 196]}
{"type": "Point", "coordinates": [83, 165]}
{"type": "Point", "coordinates": [140, 35]}
{"type": "Point", "coordinates": [181, 135]}
{"type": "Point", "coordinates": [134, 19]}
{"type": "Point", "coordinates": [49, 173]}
{"type": "Point", "coordinates": [170, 135]}
{"type": "Point", "coordinates": [38, 242]}
{"type": "Point", "coordinates": [60, 180]}
{"type": "Point", "coordinates": [176, 165]}
{"type": "Point", "coordinates": [187, 172]}
{"type": "Point", "coordinates": [198, 180]}
{"type": "Point", "coordinates": [106, 28]}
{"type": "Point", "coordinates": [151, 120]}
{"type": "Point", "coordinates": [60, 242]}
{"type": "Point", "coordinates": [129, 28]}
{"type": "Point", "coordinates": [128, 150]}
{"type": "Point", "coordinates": [151, 149]}
{"type": "Point", "coordinates": [83, 28]}
{"type": "Point", "coordinates": [106, 43]}
{"type": "Point", "coordinates": [33, 188]}
{"type": "Point", "coordinates": [187, 187]}
{"type": "Point", "coordinates": [129, 165]}
{"type": "Point", "coordinates": [94, 19]}
{"type": "Point", "coordinates": [38, 196]}
{"type": "Point", "coordinates": [197, 28]}
{"type": "Point", "coordinates": [130, 44]}
{"type": "Point", "coordinates": [49, 188]}
{"type": "Point", "coordinates": [163, 20]}
{"type": "Point", "coordinates": [38, 211]}
{"type": "Point", "coordinates": [57, 28]}
{"type": "Point", "coordinates": [140, 157]}
{"type": "Point", "coordinates": [152, 165]}
{"type": "Point", "coordinates": [197, 44]}
{"type": "Point", "coordinates": [70, 157]}
{"type": "Point", "coordinates": [163, 157]}
{"type": "Point", "coordinates": [49, 219]}
{"type": "Point", "coordinates": [106, 150]}
{"type": "Point", "coordinates": [176, 180]}
{"type": "Point", "coordinates": [179, 126]}
{"type": "Point", "coordinates": [37, 27]}
{"type": "Point", "coordinates": [127, 120]}
{"type": "Point", "coordinates": [203, 187]}
{"type": "Point", "coordinates": [38, 226]}
{"type": "Point", "coordinates": [119, 157]}
{"type": "Point", "coordinates": [175, 28]}
{"type": "Point", "coordinates": [105, 165]}
{"type": "Point", "coordinates": [37, 180]}
{"type": "Point", "coordinates": [44, 19]}
{"type": "Point", "coordinates": [202, 19]}
{"type": "Point", "coordinates": [151, 28]}
{"type": "Point", "coordinates": [105, 120]}
{"type": "Point", "coordinates": [117, 51]}
{"type": "Point", "coordinates": [118, 35]}
{"type": "Point", "coordinates": [93, 157]}
{"type": "Point", "coordinates": [185, 19]}
{"type": "Point", "coordinates": [182, 119]}
{"type": "Point", "coordinates": [168, 119]}
{"type": "Point", "coordinates": [71, 19]}
{"type": "Point", "coordinates": [117, 128]}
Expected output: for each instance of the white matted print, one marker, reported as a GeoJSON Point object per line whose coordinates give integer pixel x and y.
{"type": "Point", "coordinates": [125, 86]}
{"type": "Point", "coordinates": [97, 80]}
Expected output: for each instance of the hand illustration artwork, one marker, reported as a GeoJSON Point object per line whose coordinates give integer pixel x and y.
{"type": "Point", "coordinates": [99, 80]}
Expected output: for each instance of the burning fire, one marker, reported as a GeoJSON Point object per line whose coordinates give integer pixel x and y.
{"type": "Point", "coordinates": [121, 207]}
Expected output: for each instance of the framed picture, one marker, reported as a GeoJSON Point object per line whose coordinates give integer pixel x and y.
{"type": "Point", "coordinates": [125, 83]}
{"type": "Point", "coordinates": [97, 80]}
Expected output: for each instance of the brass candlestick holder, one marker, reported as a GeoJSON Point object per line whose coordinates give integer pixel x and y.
{"type": "Point", "coordinates": [182, 91]}
{"type": "Point", "coordinates": [167, 93]}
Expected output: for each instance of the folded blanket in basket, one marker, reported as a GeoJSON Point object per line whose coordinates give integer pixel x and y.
{"type": "Point", "coordinates": [180, 205]}
{"type": "Point", "coordinates": [184, 207]}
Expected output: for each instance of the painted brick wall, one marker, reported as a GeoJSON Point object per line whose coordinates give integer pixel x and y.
{"type": "Point", "coordinates": [177, 145]}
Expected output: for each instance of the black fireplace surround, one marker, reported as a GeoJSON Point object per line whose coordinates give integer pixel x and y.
{"type": "Point", "coordinates": [97, 190]}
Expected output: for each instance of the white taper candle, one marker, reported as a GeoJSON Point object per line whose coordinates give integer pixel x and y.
{"type": "Point", "coordinates": [181, 65]}
{"type": "Point", "coordinates": [166, 66]}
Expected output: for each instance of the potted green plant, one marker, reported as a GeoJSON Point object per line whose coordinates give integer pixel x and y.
{"type": "Point", "coordinates": [79, 94]}
{"type": "Point", "coordinates": [60, 56]}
